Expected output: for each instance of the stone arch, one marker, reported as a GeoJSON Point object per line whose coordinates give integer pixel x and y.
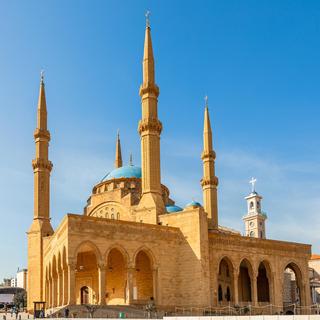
{"type": "Point", "coordinates": [89, 244]}
{"type": "Point", "coordinates": [116, 275]}
{"type": "Point", "coordinates": [120, 248]}
{"type": "Point", "coordinates": [87, 257]}
{"type": "Point", "coordinates": [245, 285]}
{"type": "Point", "coordinates": [293, 291]}
{"type": "Point", "coordinates": [149, 252]}
{"type": "Point", "coordinates": [225, 280]}
{"type": "Point", "coordinates": [144, 288]}
{"type": "Point", "coordinates": [264, 282]}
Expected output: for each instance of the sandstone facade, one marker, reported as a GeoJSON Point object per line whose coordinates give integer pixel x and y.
{"type": "Point", "coordinates": [132, 243]}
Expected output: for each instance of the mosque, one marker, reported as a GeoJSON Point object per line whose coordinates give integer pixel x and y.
{"type": "Point", "coordinates": [132, 242]}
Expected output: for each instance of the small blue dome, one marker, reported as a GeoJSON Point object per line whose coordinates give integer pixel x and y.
{"type": "Point", "coordinates": [124, 172]}
{"type": "Point", "coordinates": [172, 208]}
{"type": "Point", "coordinates": [193, 204]}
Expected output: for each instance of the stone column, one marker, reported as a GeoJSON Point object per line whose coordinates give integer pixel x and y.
{"type": "Point", "coordinates": [214, 290]}
{"type": "Point", "coordinates": [71, 283]}
{"type": "Point", "coordinates": [254, 290]}
{"type": "Point", "coordinates": [102, 284]}
{"type": "Point", "coordinates": [61, 299]}
{"type": "Point", "coordinates": [65, 286]}
{"type": "Point", "coordinates": [58, 288]}
{"type": "Point", "coordinates": [130, 275]}
{"type": "Point", "coordinates": [155, 284]}
{"type": "Point", "coordinates": [48, 294]}
{"type": "Point", "coordinates": [53, 292]}
{"type": "Point", "coordinates": [236, 286]}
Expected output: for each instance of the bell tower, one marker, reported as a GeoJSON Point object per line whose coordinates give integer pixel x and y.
{"type": "Point", "coordinates": [255, 219]}
{"type": "Point", "coordinates": [41, 226]}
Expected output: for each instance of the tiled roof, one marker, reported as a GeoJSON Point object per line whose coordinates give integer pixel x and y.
{"type": "Point", "coordinates": [315, 257]}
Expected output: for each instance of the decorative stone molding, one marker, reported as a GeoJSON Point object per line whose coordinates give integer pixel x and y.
{"type": "Point", "coordinates": [208, 155]}
{"type": "Point", "coordinates": [150, 125]}
{"type": "Point", "coordinates": [207, 182]}
{"type": "Point", "coordinates": [149, 88]}
{"type": "Point", "coordinates": [42, 164]}
{"type": "Point", "coordinates": [41, 133]}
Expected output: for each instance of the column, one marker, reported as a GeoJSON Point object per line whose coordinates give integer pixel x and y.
{"type": "Point", "coordinates": [254, 290]}
{"type": "Point", "coordinates": [71, 283]}
{"type": "Point", "coordinates": [49, 293]}
{"type": "Point", "coordinates": [214, 294]}
{"type": "Point", "coordinates": [102, 284]}
{"type": "Point", "coordinates": [58, 288]}
{"type": "Point", "coordinates": [155, 284]}
{"type": "Point", "coordinates": [235, 286]}
{"type": "Point", "coordinates": [53, 292]}
{"type": "Point", "coordinates": [130, 275]}
{"type": "Point", "coordinates": [65, 285]}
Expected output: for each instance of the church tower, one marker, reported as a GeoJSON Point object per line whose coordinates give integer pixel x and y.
{"type": "Point", "coordinates": [150, 129]}
{"type": "Point", "coordinates": [255, 219]}
{"type": "Point", "coordinates": [41, 226]}
{"type": "Point", "coordinates": [209, 182]}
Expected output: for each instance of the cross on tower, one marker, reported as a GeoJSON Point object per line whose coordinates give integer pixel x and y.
{"type": "Point", "coordinates": [253, 182]}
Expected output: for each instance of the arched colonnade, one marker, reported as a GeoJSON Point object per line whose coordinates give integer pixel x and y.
{"type": "Point", "coordinates": [245, 283]}
{"type": "Point", "coordinates": [88, 277]}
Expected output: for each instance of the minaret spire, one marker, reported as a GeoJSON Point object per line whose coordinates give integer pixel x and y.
{"type": "Point", "coordinates": [41, 226]}
{"type": "Point", "coordinates": [118, 160]}
{"type": "Point", "coordinates": [209, 181]}
{"type": "Point", "coordinates": [150, 129]}
{"type": "Point", "coordinates": [41, 164]}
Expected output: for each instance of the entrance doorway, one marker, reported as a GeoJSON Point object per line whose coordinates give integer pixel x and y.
{"type": "Point", "coordinates": [84, 294]}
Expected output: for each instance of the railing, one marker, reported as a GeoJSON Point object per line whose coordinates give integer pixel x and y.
{"type": "Point", "coordinates": [248, 310]}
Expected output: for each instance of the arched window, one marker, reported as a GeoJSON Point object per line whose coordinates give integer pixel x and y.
{"type": "Point", "coordinates": [118, 216]}
{"type": "Point", "coordinates": [112, 216]}
{"type": "Point", "coordinates": [251, 205]}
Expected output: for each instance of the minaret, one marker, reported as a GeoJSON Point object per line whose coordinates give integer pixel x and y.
{"type": "Point", "coordinates": [150, 129]}
{"type": "Point", "coordinates": [209, 181]}
{"type": "Point", "coordinates": [41, 226]}
{"type": "Point", "coordinates": [255, 218]}
{"type": "Point", "coordinates": [118, 160]}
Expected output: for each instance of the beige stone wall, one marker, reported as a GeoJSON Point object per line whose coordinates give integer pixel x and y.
{"type": "Point", "coordinates": [276, 255]}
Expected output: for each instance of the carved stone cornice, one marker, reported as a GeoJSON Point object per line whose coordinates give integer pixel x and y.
{"type": "Point", "coordinates": [150, 125]}
{"type": "Point", "coordinates": [208, 155]}
{"type": "Point", "coordinates": [150, 88]}
{"type": "Point", "coordinates": [41, 164]}
{"type": "Point", "coordinates": [207, 182]}
{"type": "Point", "coordinates": [41, 134]}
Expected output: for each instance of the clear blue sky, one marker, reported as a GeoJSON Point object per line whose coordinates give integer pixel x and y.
{"type": "Point", "coordinates": [258, 61]}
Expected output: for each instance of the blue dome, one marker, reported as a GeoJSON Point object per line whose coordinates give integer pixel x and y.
{"type": "Point", "coordinates": [193, 204]}
{"type": "Point", "coordinates": [172, 208]}
{"type": "Point", "coordinates": [124, 172]}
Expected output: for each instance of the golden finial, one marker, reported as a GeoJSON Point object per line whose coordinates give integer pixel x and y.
{"type": "Point", "coordinates": [42, 76]}
{"type": "Point", "coordinates": [147, 14]}
{"type": "Point", "coordinates": [206, 101]}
